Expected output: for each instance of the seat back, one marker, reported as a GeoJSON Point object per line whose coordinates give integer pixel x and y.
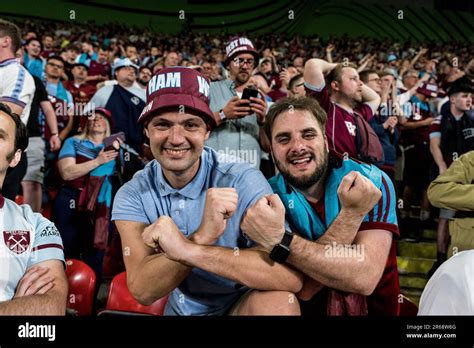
{"type": "Point", "coordinates": [408, 308]}
{"type": "Point", "coordinates": [82, 282]}
{"type": "Point", "coordinates": [120, 299]}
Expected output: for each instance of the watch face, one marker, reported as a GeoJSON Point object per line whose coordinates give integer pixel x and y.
{"type": "Point", "coordinates": [279, 253]}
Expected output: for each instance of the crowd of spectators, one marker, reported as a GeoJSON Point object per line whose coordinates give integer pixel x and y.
{"type": "Point", "coordinates": [414, 96]}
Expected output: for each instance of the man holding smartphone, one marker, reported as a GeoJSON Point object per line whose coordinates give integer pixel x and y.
{"type": "Point", "coordinates": [239, 113]}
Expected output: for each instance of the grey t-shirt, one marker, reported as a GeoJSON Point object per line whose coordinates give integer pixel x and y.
{"type": "Point", "coordinates": [234, 137]}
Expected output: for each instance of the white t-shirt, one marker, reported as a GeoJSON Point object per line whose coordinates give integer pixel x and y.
{"type": "Point", "coordinates": [16, 86]}
{"type": "Point", "coordinates": [27, 238]}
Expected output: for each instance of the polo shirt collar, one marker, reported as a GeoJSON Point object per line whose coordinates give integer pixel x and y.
{"type": "Point", "coordinates": [193, 189]}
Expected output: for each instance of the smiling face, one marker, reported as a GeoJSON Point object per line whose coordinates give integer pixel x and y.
{"type": "Point", "coordinates": [34, 48]}
{"type": "Point", "coordinates": [299, 148]}
{"type": "Point", "coordinates": [177, 141]}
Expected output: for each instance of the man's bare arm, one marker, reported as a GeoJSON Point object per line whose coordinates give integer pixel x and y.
{"type": "Point", "coordinates": [315, 69]}
{"type": "Point", "coordinates": [53, 302]}
{"type": "Point", "coordinates": [370, 97]}
{"type": "Point", "coordinates": [150, 276]}
{"type": "Point", "coordinates": [250, 267]}
{"type": "Point", "coordinates": [344, 273]}
{"type": "Point", "coordinates": [435, 148]}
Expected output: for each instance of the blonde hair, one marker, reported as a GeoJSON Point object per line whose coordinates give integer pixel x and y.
{"type": "Point", "coordinates": [85, 133]}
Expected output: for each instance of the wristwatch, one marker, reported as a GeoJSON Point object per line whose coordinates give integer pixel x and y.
{"type": "Point", "coordinates": [222, 115]}
{"type": "Point", "coordinates": [281, 251]}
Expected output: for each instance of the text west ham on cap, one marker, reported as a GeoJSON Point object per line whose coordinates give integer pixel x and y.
{"type": "Point", "coordinates": [179, 87]}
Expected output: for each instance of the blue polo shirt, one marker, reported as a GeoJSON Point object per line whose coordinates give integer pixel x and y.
{"type": "Point", "coordinates": [148, 196]}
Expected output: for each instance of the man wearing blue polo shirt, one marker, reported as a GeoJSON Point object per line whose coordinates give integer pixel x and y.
{"type": "Point", "coordinates": [179, 218]}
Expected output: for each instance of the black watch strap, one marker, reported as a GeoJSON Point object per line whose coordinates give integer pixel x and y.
{"type": "Point", "coordinates": [287, 238]}
{"type": "Point", "coordinates": [281, 251]}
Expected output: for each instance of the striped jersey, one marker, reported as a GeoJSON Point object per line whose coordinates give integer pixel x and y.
{"type": "Point", "coordinates": [16, 86]}
{"type": "Point", "coordinates": [27, 238]}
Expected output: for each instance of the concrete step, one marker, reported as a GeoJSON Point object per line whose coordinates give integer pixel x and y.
{"type": "Point", "coordinates": [412, 281]}
{"type": "Point", "coordinates": [408, 265]}
{"type": "Point", "coordinates": [426, 250]}
{"type": "Point", "coordinates": [429, 234]}
{"type": "Point", "coordinates": [412, 294]}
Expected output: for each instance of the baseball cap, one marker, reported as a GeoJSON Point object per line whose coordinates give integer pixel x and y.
{"type": "Point", "coordinates": [175, 87]}
{"type": "Point", "coordinates": [103, 111]}
{"type": "Point", "coordinates": [237, 46]}
{"type": "Point", "coordinates": [428, 89]}
{"type": "Point", "coordinates": [123, 62]}
{"type": "Point", "coordinates": [391, 58]}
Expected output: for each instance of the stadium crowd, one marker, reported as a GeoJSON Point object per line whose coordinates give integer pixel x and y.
{"type": "Point", "coordinates": [97, 99]}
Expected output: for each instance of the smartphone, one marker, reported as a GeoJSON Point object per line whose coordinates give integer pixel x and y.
{"type": "Point", "coordinates": [109, 141]}
{"type": "Point", "coordinates": [249, 92]}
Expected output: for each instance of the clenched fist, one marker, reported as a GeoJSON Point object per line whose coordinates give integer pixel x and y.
{"type": "Point", "coordinates": [264, 222]}
{"type": "Point", "coordinates": [221, 203]}
{"type": "Point", "coordinates": [358, 194]}
{"type": "Point", "coordinates": [164, 235]}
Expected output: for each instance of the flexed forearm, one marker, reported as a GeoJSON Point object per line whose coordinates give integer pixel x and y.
{"type": "Point", "coordinates": [250, 267]}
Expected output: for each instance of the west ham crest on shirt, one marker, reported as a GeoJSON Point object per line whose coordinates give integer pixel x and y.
{"type": "Point", "coordinates": [17, 241]}
{"type": "Point", "coordinates": [135, 100]}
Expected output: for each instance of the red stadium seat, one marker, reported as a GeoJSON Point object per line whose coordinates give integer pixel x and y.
{"type": "Point", "coordinates": [81, 279]}
{"type": "Point", "coordinates": [121, 301]}
{"type": "Point", "coordinates": [408, 308]}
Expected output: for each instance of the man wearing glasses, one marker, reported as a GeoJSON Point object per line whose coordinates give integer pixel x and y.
{"type": "Point", "coordinates": [239, 121]}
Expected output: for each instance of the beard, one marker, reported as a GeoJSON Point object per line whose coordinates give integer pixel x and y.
{"type": "Point", "coordinates": [241, 79]}
{"type": "Point", "coordinates": [142, 82]}
{"type": "Point", "coordinates": [305, 182]}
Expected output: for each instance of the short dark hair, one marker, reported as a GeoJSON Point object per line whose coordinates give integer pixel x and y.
{"type": "Point", "coordinates": [55, 57]}
{"type": "Point", "coordinates": [144, 67]}
{"type": "Point", "coordinates": [285, 104]}
{"type": "Point", "coordinates": [293, 81]}
{"type": "Point", "coordinates": [73, 47]}
{"type": "Point", "coordinates": [21, 132]}
{"type": "Point", "coordinates": [34, 39]}
{"type": "Point", "coordinates": [364, 75]}
{"type": "Point", "coordinates": [11, 30]}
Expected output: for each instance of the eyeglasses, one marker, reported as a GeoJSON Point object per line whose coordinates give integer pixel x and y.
{"type": "Point", "coordinates": [376, 80]}
{"type": "Point", "coordinates": [411, 77]}
{"type": "Point", "coordinates": [56, 65]}
{"type": "Point", "coordinates": [242, 61]}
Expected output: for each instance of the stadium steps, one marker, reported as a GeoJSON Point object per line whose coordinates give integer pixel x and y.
{"type": "Point", "coordinates": [414, 260]}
